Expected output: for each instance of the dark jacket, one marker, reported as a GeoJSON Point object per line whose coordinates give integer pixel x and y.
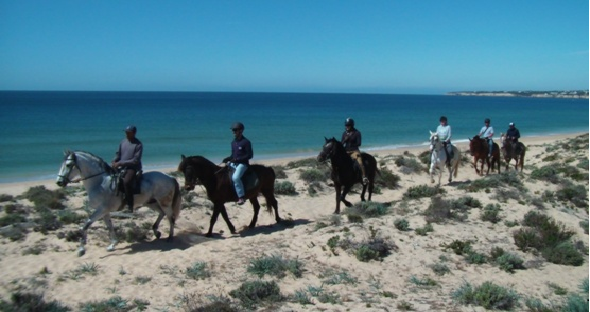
{"type": "Point", "coordinates": [513, 133]}
{"type": "Point", "coordinates": [241, 151]}
{"type": "Point", "coordinates": [351, 140]}
{"type": "Point", "coordinates": [129, 153]}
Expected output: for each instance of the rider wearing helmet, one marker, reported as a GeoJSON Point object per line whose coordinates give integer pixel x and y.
{"type": "Point", "coordinates": [487, 132]}
{"type": "Point", "coordinates": [444, 134]}
{"type": "Point", "coordinates": [241, 153]}
{"type": "Point", "coordinates": [128, 158]}
{"type": "Point", "coordinates": [512, 134]}
{"type": "Point", "coordinates": [351, 139]}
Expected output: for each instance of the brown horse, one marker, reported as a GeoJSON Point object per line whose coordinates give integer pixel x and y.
{"type": "Point", "coordinates": [478, 148]}
{"type": "Point", "coordinates": [220, 189]}
{"type": "Point", "coordinates": [346, 172]}
{"type": "Point", "coordinates": [513, 150]}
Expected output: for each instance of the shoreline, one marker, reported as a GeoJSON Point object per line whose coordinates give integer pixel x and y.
{"type": "Point", "coordinates": [17, 188]}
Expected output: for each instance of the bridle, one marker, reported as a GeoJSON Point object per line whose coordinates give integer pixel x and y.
{"type": "Point", "coordinates": [75, 165]}
{"type": "Point", "coordinates": [327, 156]}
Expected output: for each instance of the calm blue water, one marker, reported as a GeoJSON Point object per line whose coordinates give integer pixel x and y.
{"type": "Point", "coordinates": [36, 127]}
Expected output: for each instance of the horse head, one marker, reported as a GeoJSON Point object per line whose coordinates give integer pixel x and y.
{"type": "Point", "coordinates": [476, 145]}
{"type": "Point", "coordinates": [66, 169]}
{"type": "Point", "coordinates": [328, 150]}
{"type": "Point", "coordinates": [190, 174]}
{"type": "Point", "coordinates": [434, 141]}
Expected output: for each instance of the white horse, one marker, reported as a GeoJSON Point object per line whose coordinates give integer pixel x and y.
{"type": "Point", "coordinates": [438, 158]}
{"type": "Point", "coordinates": [159, 192]}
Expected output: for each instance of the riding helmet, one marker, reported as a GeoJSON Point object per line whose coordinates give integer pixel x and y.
{"type": "Point", "coordinates": [349, 122]}
{"type": "Point", "coordinates": [237, 126]}
{"type": "Point", "coordinates": [131, 128]}
{"type": "Point", "coordinates": [487, 120]}
{"type": "Point", "coordinates": [443, 118]}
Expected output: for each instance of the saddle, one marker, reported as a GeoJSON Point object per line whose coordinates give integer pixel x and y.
{"type": "Point", "coordinates": [249, 179]}
{"type": "Point", "coordinates": [136, 181]}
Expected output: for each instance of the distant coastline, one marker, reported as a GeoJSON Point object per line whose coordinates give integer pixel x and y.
{"type": "Point", "coordinates": [574, 94]}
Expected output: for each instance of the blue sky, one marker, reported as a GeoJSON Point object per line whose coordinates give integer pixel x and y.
{"type": "Point", "coordinates": [411, 47]}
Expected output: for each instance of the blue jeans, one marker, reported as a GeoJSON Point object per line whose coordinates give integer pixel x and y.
{"type": "Point", "coordinates": [239, 170]}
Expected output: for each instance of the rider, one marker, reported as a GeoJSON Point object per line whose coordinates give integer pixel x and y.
{"type": "Point", "coordinates": [241, 153]}
{"type": "Point", "coordinates": [512, 135]}
{"type": "Point", "coordinates": [487, 132]}
{"type": "Point", "coordinates": [351, 139]}
{"type": "Point", "coordinates": [128, 159]}
{"type": "Point", "coordinates": [444, 134]}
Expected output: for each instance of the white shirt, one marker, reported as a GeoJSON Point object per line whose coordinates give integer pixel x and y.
{"type": "Point", "coordinates": [444, 133]}
{"type": "Point", "coordinates": [486, 132]}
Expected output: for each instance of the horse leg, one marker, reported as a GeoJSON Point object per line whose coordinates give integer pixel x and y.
{"type": "Point", "coordinates": [271, 201]}
{"type": "Point", "coordinates": [363, 192]}
{"type": "Point", "coordinates": [214, 217]}
{"type": "Point", "coordinates": [343, 196]}
{"type": "Point", "coordinates": [231, 227]}
{"type": "Point", "coordinates": [98, 213]}
{"type": "Point", "coordinates": [156, 225]}
{"type": "Point", "coordinates": [112, 234]}
{"type": "Point", "coordinates": [338, 189]}
{"type": "Point", "coordinates": [256, 205]}
{"type": "Point", "coordinates": [432, 166]}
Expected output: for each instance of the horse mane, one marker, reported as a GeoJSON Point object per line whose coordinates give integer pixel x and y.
{"type": "Point", "coordinates": [197, 159]}
{"type": "Point", "coordinates": [103, 164]}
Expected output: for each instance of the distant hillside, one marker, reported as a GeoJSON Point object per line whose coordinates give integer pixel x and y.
{"type": "Point", "coordinates": [575, 94]}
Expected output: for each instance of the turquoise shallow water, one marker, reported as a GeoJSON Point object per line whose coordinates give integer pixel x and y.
{"type": "Point", "coordinates": [36, 127]}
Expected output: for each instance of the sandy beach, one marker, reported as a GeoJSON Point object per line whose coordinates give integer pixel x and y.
{"type": "Point", "coordinates": [419, 273]}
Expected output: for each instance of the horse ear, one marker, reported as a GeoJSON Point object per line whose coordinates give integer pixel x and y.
{"type": "Point", "coordinates": [182, 157]}
{"type": "Point", "coordinates": [326, 139]}
{"type": "Point", "coordinates": [431, 133]}
{"type": "Point", "coordinates": [469, 139]}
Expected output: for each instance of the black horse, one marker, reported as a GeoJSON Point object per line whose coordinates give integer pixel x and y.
{"type": "Point", "coordinates": [478, 147]}
{"type": "Point", "coordinates": [346, 171]}
{"type": "Point", "coordinates": [220, 188]}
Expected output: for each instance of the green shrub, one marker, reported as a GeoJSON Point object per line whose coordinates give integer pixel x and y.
{"type": "Point", "coordinates": [440, 211]}
{"type": "Point", "coordinates": [475, 257]}
{"type": "Point", "coordinates": [423, 231]}
{"type": "Point", "coordinates": [510, 262]}
{"type": "Point", "coordinates": [25, 301]}
{"type": "Point", "coordinates": [42, 197]}
{"type": "Point", "coordinates": [458, 247]}
{"type": "Point", "coordinates": [440, 269]}
{"type": "Point", "coordinates": [546, 173]}
{"type": "Point", "coordinates": [313, 175]}
{"type": "Point", "coordinates": [280, 172]}
{"type": "Point", "coordinates": [254, 293]}
{"type": "Point", "coordinates": [6, 198]}
{"type": "Point", "coordinates": [375, 248]}
{"type": "Point", "coordinates": [488, 295]}
{"type": "Point", "coordinates": [576, 194]}
{"type": "Point", "coordinates": [12, 218]}
{"type": "Point", "coordinates": [198, 271]}
{"type": "Point", "coordinates": [401, 224]}
{"type": "Point", "coordinates": [111, 305]}
{"type": "Point", "coordinates": [583, 164]}
{"type": "Point", "coordinates": [307, 162]}
{"type": "Point", "coordinates": [275, 266]}
{"type": "Point", "coordinates": [563, 253]}
{"type": "Point", "coordinates": [584, 224]}
{"type": "Point", "coordinates": [367, 209]}
{"type": "Point", "coordinates": [387, 178]}
{"type": "Point", "coordinates": [411, 164]}
{"type": "Point", "coordinates": [285, 188]}
{"type": "Point", "coordinates": [423, 282]}
{"type": "Point", "coordinates": [491, 213]}
{"type": "Point", "coordinates": [420, 191]}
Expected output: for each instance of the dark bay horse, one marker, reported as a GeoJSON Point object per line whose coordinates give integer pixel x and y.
{"type": "Point", "coordinates": [220, 188]}
{"type": "Point", "coordinates": [346, 171]}
{"type": "Point", "coordinates": [478, 148]}
{"type": "Point", "coordinates": [512, 150]}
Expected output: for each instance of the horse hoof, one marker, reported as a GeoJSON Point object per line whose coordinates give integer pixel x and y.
{"type": "Point", "coordinates": [81, 252]}
{"type": "Point", "coordinates": [336, 211]}
{"type": "Point", "coordinates": [170, 239]}
{"type": "Point", "coordinates": [158, 234]}
{"type": "Point", "coordinates": [208, 235]}
{"type": "Point", "coordinates": [111, 247]}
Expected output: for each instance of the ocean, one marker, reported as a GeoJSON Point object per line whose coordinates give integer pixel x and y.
{"type": "Point", "coordinates": [36, 127]}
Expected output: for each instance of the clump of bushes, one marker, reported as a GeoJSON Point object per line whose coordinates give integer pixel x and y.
{"type": "Point", "coordinates": [387, 179]}
{"type": "Point", "coordinates": [42, 197]}
{"type": "Point", "coordinates": [285, 188]}
{"type": "Point", "coordinates": [313, 175]}
{"type": "Point", "coordinates": [275, 266]}
{"type": "Point", "coordinates": [441, 210]}
{"type": "Point", "coordinates": [367, 209]}
{"type": "Point", "coordinates": [408, 165]}
{"type": "Point", "coordinates": [25, 301]}
{"type": "Point", "coordinates": [373, 248]}
{"type": "Point", "coordinates": [550, 238]}
{"type": "Point", "coordinates": [576, 194]}
{"type": "Point", "coordinates": [253, 293]}
{"type": "Point", "coordinates": [491, 213]}
{"type": "Point", "coordinates": [423, 190]}
{"type": "Point", "coordinates": [402, 224]}
{"type": "Point", "coordinates": [487, 295]}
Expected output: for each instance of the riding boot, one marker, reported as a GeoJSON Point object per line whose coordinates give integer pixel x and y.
{"type": "Point", "coordinates": [360, 161]}
{"type": "Point", "coordinates": [128, 184]}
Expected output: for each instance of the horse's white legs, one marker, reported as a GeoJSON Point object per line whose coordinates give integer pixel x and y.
{"type": "Point", "coordinates": [112, 234]}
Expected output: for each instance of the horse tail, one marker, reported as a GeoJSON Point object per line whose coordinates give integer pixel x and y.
{"type": "Point", "coordinates": [176, 201]}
